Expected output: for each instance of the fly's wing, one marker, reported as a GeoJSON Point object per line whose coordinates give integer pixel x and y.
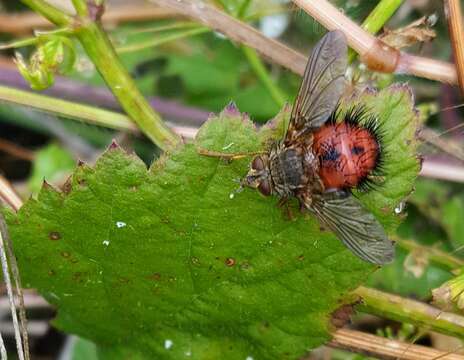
{"type": "Point", "coordinates": [355, 226]}
{"type": "Point", "coordinates": [322, 86]}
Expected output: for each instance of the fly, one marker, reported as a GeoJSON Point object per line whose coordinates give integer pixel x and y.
{"type": "Point", "coordinates": [319, 161]}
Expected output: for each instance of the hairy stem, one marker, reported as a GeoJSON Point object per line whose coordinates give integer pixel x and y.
{"type": "Point", "coordinates": [67, 108]}
{"type": "Point", "coordinates": [52, 13]}
{"type": "Point", "coordinates": [410, 311]}
{"type": "Point", "coordinates": [102, 54]}
{"type": "Point", "coordinates": [90, 114]}
{"type": "Point", "coordinates": [100, 50]}
{"type": "Point", "coordinates": [81, 7]}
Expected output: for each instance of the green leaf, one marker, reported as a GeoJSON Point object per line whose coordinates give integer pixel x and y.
{"type": "Point", "coordinates": [170, 263]}
{"type": "Point", "coordinates": [452, 219]}
{"type": "Point", "coordinates": [51, 163]}
{"type": "Point", "coordinates": [82, 349]}
{"type": "Point", "coordinates": [54, 54]}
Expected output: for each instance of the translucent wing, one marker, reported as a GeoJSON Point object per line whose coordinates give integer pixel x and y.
{"type": "Point", "coordinates": [355, 226]}
{"type": "Point", "coordinates": [322, 86]}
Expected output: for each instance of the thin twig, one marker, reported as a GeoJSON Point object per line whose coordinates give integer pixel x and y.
{"type": "Point", "coordinates": [4, 238]}
{"type": "Point", "coordinates": [447, 145]}
{"type": "Point", "coordinates": [21, 23]}
{"type": "Point", "coordinates": [18, 286]}
{"type": "Point", "coordinates": [456, 31]}
{"type": "Point", "coordinates": [383, 348]}
{"type": "Point", "coordinates": [19, 292]}
{"type": "Point", "coordinates": [439, 170]}
{"type": "Point", "coordinates": [15, 150]}
{"type": "Point", "coordinates": [438, 257]}
{"type": "Point", "coordinates": [238, 31]}
{"type": "Point", "coordinates": [8, 194]}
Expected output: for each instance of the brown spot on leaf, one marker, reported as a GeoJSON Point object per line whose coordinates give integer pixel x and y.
{"type": "Point", "coordinates": [301, 257]}
{"type": "Point", "coordinates": [51, 272]}
{"type": "Point", "coordinates": [244, 265]}
{"type": "Point", "coordinates": [65, 254]}
{"type": "Point", "coordinates": [230, 262]}
{"type": "Point", "coordinates": [77, 276]}
{"type": "Point", "coordinates": [342, 315]}
{"type": "Point", "coordinates": [155, 276]}
{"type": "Point", "coordinates": [54, 235]}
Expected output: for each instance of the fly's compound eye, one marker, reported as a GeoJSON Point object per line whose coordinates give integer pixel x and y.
{"type": "Point", "coordinates": [264, 187]}
{"type": "Point", "coordinates": [257, 164]}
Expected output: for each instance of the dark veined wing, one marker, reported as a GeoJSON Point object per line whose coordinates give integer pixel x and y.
{"type": "Point", "coordinates": [355, 226]}
{"type": "Point", "coordinates": [322, 86]}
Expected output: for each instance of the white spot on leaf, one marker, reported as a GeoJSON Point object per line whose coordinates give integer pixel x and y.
{"type": "Point", "coordinates": [106, 242]}
{"type": "Point", "coordinates": [168, 344]}
{"type": "Point", "coordinates": [120, 224]}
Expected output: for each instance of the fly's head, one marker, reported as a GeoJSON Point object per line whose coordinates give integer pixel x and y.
{"type": "Point", "coordinates": [259, 175]}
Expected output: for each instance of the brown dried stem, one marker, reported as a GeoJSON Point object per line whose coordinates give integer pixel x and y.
{"type": "Point", "coordinates": [378, 55]}
{"type": "Point", "coordinates": [383, 348]}
{"type": "Point", "coordinates": [15, 150]}
{"type": "Point", "coordinates": [23, 23]}
{"type": "Point", "coordinates": [456, 31]}
{"type": "Point", "coordinates": [9, 195]}
{"type": "Point", "coordinates": [437, 169]}
{"type": "Point", "coordinates": [373, 52]}
{"type": "Point", "coordinates": [238, 31]}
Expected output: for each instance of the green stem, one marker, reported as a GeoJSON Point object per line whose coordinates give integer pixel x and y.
{"type": "Point", "coordinates": [258, 67]}
{"type": "Point", "coordinates": [39, 36]}
{"type": "Point", "coordinates": [100, 50]}
{"type": "Point", "coordinates": [400, 309]}
{"type": "Point", "coordinates": [438, 257]}
{"type": "Point", "coordinates": [159, 41]}
{"type": "Point", "coordinates": [52, 13]}
{"type": "Point", "coordinates": [243, 9]}
{"type": "Point", "coordinates": [81, 7]}
{"type": "Point", "coordinates": [67, 109]}
{"type": "Point", "coordinates": [377, 19]}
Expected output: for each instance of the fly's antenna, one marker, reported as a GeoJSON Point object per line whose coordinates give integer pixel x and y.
{"type": "Point", "coordinates": [237, 190]}
{"type": "Point", "coordinates": [228, 156]}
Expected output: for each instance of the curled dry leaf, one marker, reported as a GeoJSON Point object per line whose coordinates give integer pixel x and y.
{"type": "Point", "coordinates": [418, 31]}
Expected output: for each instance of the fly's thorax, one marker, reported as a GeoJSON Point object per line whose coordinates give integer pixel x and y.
{"type": "Point", "coordinates": [259, 175]}
{"type": "Point", "coordinates": [286, 170]}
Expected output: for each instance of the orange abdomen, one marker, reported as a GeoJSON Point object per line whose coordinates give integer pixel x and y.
{"type": "Point", "coordinates": [347, 154]}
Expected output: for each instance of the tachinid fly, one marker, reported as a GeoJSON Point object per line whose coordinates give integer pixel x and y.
{"type": "Point", "coordinates": [318, 161]}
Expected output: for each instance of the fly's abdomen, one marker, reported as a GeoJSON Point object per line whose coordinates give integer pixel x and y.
{"type": "Point", "coordinates": [347, 154]}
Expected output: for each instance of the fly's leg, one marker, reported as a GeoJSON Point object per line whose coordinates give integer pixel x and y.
{"type": "Point", "coordinates": [285, 205]}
